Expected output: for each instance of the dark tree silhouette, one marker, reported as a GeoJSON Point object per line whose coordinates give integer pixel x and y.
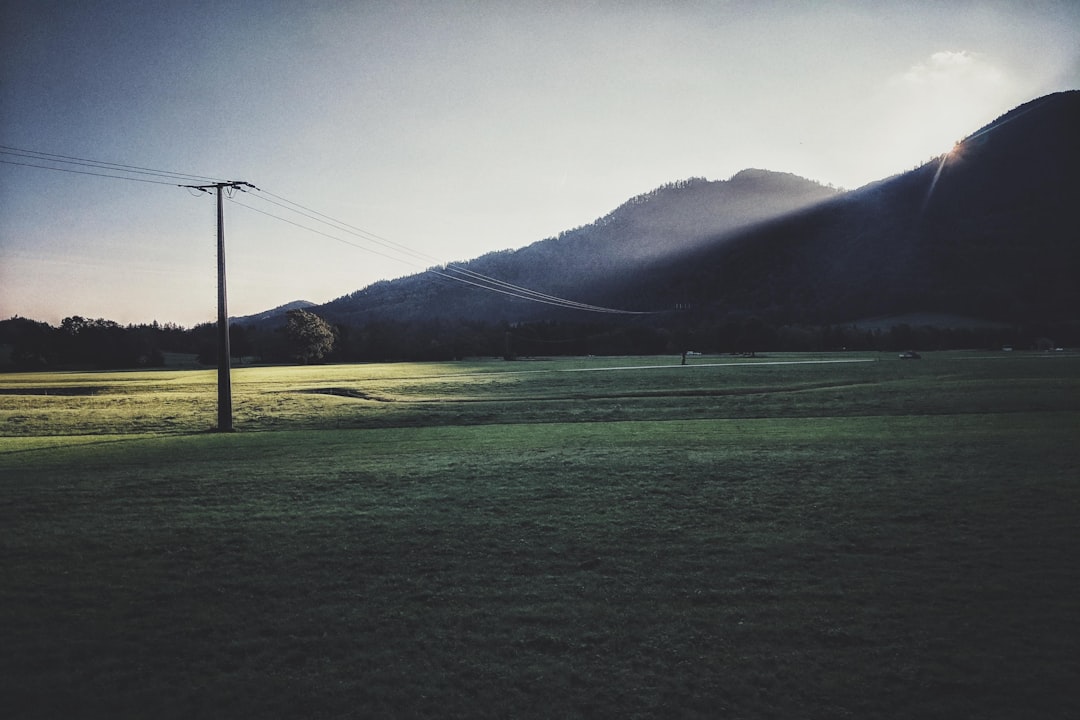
{"type": "Point", "coordinates": [310, 337]}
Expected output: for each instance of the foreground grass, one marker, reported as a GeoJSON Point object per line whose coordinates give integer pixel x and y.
{"type": "Point", "coordinates": [903, 563]}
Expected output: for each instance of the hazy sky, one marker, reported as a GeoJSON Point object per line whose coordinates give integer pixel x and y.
{"type": "Point", "coordinates": [451, 128]}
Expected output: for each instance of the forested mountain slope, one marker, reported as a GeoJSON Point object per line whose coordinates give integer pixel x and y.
{"type": "Point", "coordinates": [991, 230]}
{"type": "Point", "coordinates": [589, 263]}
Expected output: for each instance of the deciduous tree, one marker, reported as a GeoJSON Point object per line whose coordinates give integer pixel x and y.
{"type": "Point", "coordinates": [310, 336]}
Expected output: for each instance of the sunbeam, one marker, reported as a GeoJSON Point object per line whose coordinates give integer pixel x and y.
{"type": "Point", "coordinates": [937, 174]}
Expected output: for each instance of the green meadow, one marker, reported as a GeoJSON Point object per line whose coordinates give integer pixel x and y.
{"type": "Point", "coordinates": [813, 536]}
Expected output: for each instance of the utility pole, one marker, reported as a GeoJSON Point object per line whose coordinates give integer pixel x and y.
{"type": "Point", "coordinates": [224, 354]}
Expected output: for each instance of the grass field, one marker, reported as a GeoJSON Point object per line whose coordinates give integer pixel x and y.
{"type": "Point", "coordinates": [602, 537]}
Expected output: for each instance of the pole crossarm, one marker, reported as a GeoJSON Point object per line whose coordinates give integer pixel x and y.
{"type": "Point", "coordinates": [238, 184]}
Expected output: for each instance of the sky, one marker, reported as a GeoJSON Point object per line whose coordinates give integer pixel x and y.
{"type": "Point", "coordinates": [447, 129]}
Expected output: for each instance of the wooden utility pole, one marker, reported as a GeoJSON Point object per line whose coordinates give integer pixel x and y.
{"type": "Point", "coordinates": [224, 413]}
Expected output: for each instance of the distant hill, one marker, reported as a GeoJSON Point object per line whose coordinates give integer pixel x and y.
{"type": "Point", "coordinates": [990, 231]}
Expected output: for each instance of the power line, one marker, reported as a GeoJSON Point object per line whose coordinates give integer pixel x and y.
{"type": "Point", "coordinates": [543, 296]}
{"type": "Point", "coordinates": [97, 164]}
{"type": "Point", "coordinates": [409, 251]}
{"type": "Point", "coordinates": [534, 297]}
{"type": "Point", "coordinates": [352, 229]}
{"type": "Point", "coordinates": [479, 280]}
{"type": "Point", "coordinates": [318, 232]}
{"type": "Point", "coordinates": [87, 172]}
{"type": "Point", "coordinates": [449, 271]}
{"type": "Point", "coordinates": [566, 303]}
{"type": "Point", "coordinates": [343, 227]}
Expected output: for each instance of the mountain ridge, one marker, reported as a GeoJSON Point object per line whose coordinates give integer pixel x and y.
{"type": "Point", "coordinates": [987, 230]}
{"type": "Point", "coordinates": [933, 239]}
{"type": "Point", "coordinates": [624, 241]}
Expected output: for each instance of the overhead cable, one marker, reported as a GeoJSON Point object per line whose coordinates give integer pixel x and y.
{"type": "Point", "coordinates": [110, 167]}
{"type": "Point", "coordinates": [463, 274]}
{"type": "Point", "coordinates": [401, 253]}
{"type": "Point", "coordinates": [87, 172]}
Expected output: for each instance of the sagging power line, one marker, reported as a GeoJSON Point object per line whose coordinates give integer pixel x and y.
{"type": "Point", "coordinates": [389, 249]}
{"type": "Point", "coordinates": [483, 282]}
{"type": "Point", "coordinates": [408, 256]}
{"type": "Point", "coordinates": [117, 171]}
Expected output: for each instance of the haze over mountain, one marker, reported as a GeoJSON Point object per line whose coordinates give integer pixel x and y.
{"type": "Point", "coordinates": [988, 230]}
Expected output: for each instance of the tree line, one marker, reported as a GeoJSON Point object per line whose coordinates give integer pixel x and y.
{"type": "Point", "coordinates": [303, 337]}
{"type": "Point", "coordinates": [102, 344]}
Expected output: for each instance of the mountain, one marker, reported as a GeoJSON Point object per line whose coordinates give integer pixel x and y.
{"type": "Point", "coordinates": [590, 262]}
{"type": "Point", "coordinates": [989, 230]}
